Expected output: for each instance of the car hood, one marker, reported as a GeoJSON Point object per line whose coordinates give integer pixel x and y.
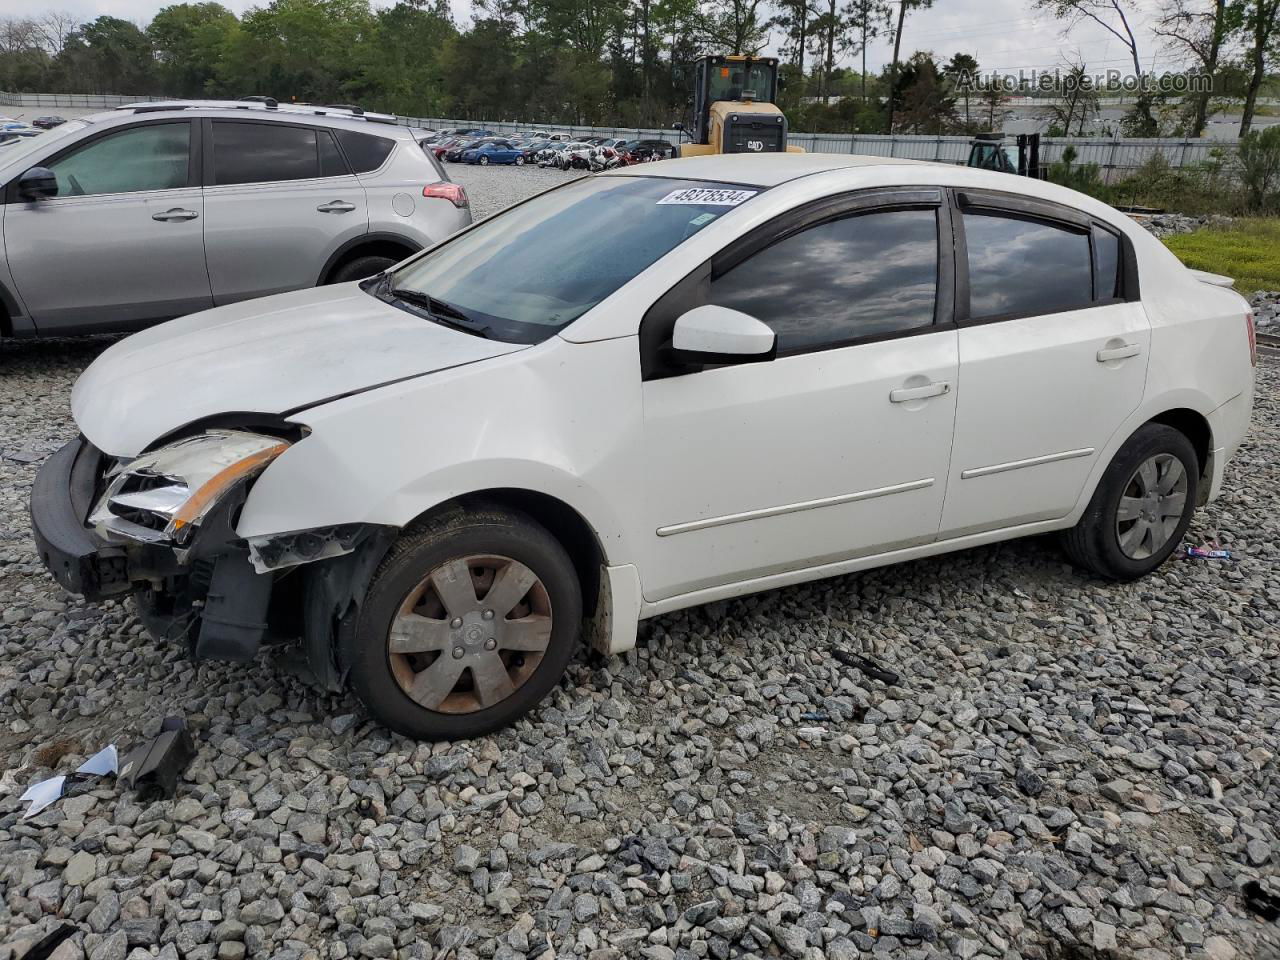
{"type": "Point", "coordinates": [276, 355]}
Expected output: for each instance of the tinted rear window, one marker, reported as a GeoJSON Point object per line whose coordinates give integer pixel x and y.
{"type": "Point", "coordinates": [1024, 267]}
{"type": "Point", "coordinates": [364, 151]}
{"type": "Point", "coordinates": [263, 152]}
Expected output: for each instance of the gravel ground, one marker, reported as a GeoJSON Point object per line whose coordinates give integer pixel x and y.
{"type": "Point", "coordinates": [1068, 769]}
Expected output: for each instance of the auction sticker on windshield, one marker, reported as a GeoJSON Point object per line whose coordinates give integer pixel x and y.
{"type": "Point", "coordinates": [708, 197]}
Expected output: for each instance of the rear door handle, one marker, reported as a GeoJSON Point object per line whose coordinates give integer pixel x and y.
{"type": "Point", "coordinates": [907, 394]}
{"type": "Point", "coordinates": [176, 213]}
{"type": "Point", "coordinates": [336, 206]}
{"type": "Point", "coordinates": [1122, 352]}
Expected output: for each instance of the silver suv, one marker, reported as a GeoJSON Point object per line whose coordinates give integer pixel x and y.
{"type": "Point", "coordinates": [122, 219]}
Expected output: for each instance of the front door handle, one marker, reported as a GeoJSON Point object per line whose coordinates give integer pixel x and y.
{"type": "Point", "coordinates": [1122, 352]}
{"type": "Point", "coordinates": [907, 394]}
{"type": "Point", "coordinates": [336, 206]}
{"type": "Point", "coordinates": [176, 213]}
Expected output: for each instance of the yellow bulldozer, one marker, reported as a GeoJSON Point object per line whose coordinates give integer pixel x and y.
{"type": "Point", "coordinates": [735, 108]}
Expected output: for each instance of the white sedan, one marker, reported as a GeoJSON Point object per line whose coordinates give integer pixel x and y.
{"type": "Point", "coordinates": [638, 392]}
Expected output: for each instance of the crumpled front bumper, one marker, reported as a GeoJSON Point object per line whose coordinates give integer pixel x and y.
{"type": "Point", "coordinates": [61, 499]}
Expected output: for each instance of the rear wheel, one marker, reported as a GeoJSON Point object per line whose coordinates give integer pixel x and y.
{"type": "Point", "coordinates": [1142, 507]}
{"type": "Point", "coordinates": [360, 268]}
{"type": "Point", "coordinates": [484, 161]}
{"type": "Point", "coordinates": [468, 623]}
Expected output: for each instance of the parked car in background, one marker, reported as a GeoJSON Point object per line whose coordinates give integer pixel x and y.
{"type": "Point", "coordinates": [646, 151]}
{"type": "Point", "coordinates": [494, 151]}
{"type": "Point", "coordinates": [459, 146]}
{"type": "Point", "coordinates": [972, 357]}
{"type": "Point", "coordinates": [47, 123]}
{"type": "Point", "coordinates": [14, 133]}
{"type": "Point", "coordinates": [533, 148]}
{"type": "Point", "coordinates": [547, 157]}
{"type": "Point", "coordinates": [125, 218]}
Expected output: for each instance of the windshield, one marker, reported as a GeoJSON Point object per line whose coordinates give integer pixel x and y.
{"type": "Point", "coordinates": [532, 270]}
{"type": "Point", "coordinates": [46, 142]}
{"type": "Point", "coordinates": [731, 79]}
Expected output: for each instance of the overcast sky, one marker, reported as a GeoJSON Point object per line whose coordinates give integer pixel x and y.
{"type": "Point", "coordinates": [1002, 34]}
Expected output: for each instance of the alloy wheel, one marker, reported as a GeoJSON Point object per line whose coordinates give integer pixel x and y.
{"type": "Point", "coordinates": [470, 634]}
{"type": "Point", "coordinates": [1151, 506]}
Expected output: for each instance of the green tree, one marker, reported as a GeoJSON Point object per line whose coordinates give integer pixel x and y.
{"type": "Point", "coordinates": [108, 55]}
{"type": "Point", "coordinates": [959, 73]}
{"type": "Point", "coordinates": [401, 68]}
{"type": "Point", "coordinates": [190, 40]}
{"type": "Point", "coordinates": [1261, 19]}
{"type": "Point", "coordinates": [307, 50]}
{"type": "Point", "coordinates": [904, 6]}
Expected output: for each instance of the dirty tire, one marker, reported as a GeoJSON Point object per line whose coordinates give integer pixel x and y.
{"type": "Point", "coordinates": [420, 550]}
{"type": "Point", "coordinates": [1094, 542]}
{"type": "Point", "coordinates": [360, 268]}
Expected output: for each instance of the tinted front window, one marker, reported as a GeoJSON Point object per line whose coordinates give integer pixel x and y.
{"type": "Point", "coordinates": [860, 276]}
{"type": "Point", "coordinates": [364, 151]}
{"type": "Point", "coordinates": [1023, 267]}
{"type": "Point", "coordinates": [263, 152]}
{"type": "Point", "coordinates": [538, 266]}
{"type": "Point", "coordinates": [153, 157]}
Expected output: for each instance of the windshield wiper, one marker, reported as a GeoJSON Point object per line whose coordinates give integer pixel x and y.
{"type": "Point", "coordinates": [445, 314]}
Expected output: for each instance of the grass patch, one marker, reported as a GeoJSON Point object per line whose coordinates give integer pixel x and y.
{"type": "Point", "coordinates": [1248, 251]}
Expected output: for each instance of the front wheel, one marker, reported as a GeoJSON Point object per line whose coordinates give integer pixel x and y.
{"type": "Point", "coordinates": [1142, 507]}
{"type": "Point", "coordinates": [519, 161]}
{"type": "Point", "coordinates": [484, 161]}
{"type": "Point", "coordinates": [467, 624]}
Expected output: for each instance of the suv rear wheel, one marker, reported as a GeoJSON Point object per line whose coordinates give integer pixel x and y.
{"type": "Point", "coordinates": [1142, 507]}
{"type": "Point", "coordinates": [361, 268]}
{"type": "Point", "coordinates": [467, 624]}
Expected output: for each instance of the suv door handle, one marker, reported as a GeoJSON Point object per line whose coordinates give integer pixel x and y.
{"type": "Point", "coordinates": [336, 206]}
{"type": "Point", "coordinates": [1122, 352]}
{"type": "Point", "coordinates": [176, 213]}
{"type": "Point", "coordinates": [907, 394]}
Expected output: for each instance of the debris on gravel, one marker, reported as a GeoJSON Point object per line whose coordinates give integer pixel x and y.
{"type": "Point", "coordinates": [1065, 768]}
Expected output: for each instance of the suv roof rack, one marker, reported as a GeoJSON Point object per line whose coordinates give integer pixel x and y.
{"type": "Point", "coordinates": [264, 105]}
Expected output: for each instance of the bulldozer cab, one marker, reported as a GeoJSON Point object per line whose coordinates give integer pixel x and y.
{"type": "Point", "coordinates": [734, 107]}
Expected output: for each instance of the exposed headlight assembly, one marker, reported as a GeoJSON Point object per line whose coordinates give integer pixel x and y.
{"type": "Point", "coordinates": [161, 497]}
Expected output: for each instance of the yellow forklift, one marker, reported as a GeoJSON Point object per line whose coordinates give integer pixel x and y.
{"type": "Point", "coordinates": [735, 108]}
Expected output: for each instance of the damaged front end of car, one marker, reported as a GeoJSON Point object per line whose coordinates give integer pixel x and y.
{"type": "Point", "coordinates": [161, 526]}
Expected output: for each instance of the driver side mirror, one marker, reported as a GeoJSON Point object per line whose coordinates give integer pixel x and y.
{"type": "Point", "coordinates": [38, 183]}
{"type": "Point", "coordinates": [714, 334]}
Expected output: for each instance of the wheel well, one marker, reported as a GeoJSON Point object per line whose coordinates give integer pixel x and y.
{"type": "Point", "coordinates": [1194, 427]}
{"type": "Point", "coordinates": [371, 248]}
{"type": "Point", "coordinates": [562, 522]}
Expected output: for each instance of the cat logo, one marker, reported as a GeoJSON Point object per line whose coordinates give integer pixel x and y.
{"type": "Point", "coordinates": [755, 145]}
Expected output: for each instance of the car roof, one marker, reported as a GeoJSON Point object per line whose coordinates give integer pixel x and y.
{"type": "Point", "coordinates": [760, 169]}
{"type": "Point", "coordinates": [381, 124]}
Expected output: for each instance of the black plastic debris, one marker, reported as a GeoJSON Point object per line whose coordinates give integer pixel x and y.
{"type": "Point", "coordinates": [868, 667]}
{"type": "Point", "coordinates": [1261, 901]}
{"type": "Point", "coordinates": [152, 767]}
{"type": "Point", "coordinates": [43, 948]}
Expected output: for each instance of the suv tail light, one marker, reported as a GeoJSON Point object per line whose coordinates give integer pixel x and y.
{"type": "Point", "coordinates": [1253, 338]}
{"type": "Point", "coordinates": [452, 192]}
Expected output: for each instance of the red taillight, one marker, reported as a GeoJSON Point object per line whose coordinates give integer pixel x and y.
{"type": "Point", "coordinates": [452, 192]}
{"type": "Point", "coordinates": [1253, 338]}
